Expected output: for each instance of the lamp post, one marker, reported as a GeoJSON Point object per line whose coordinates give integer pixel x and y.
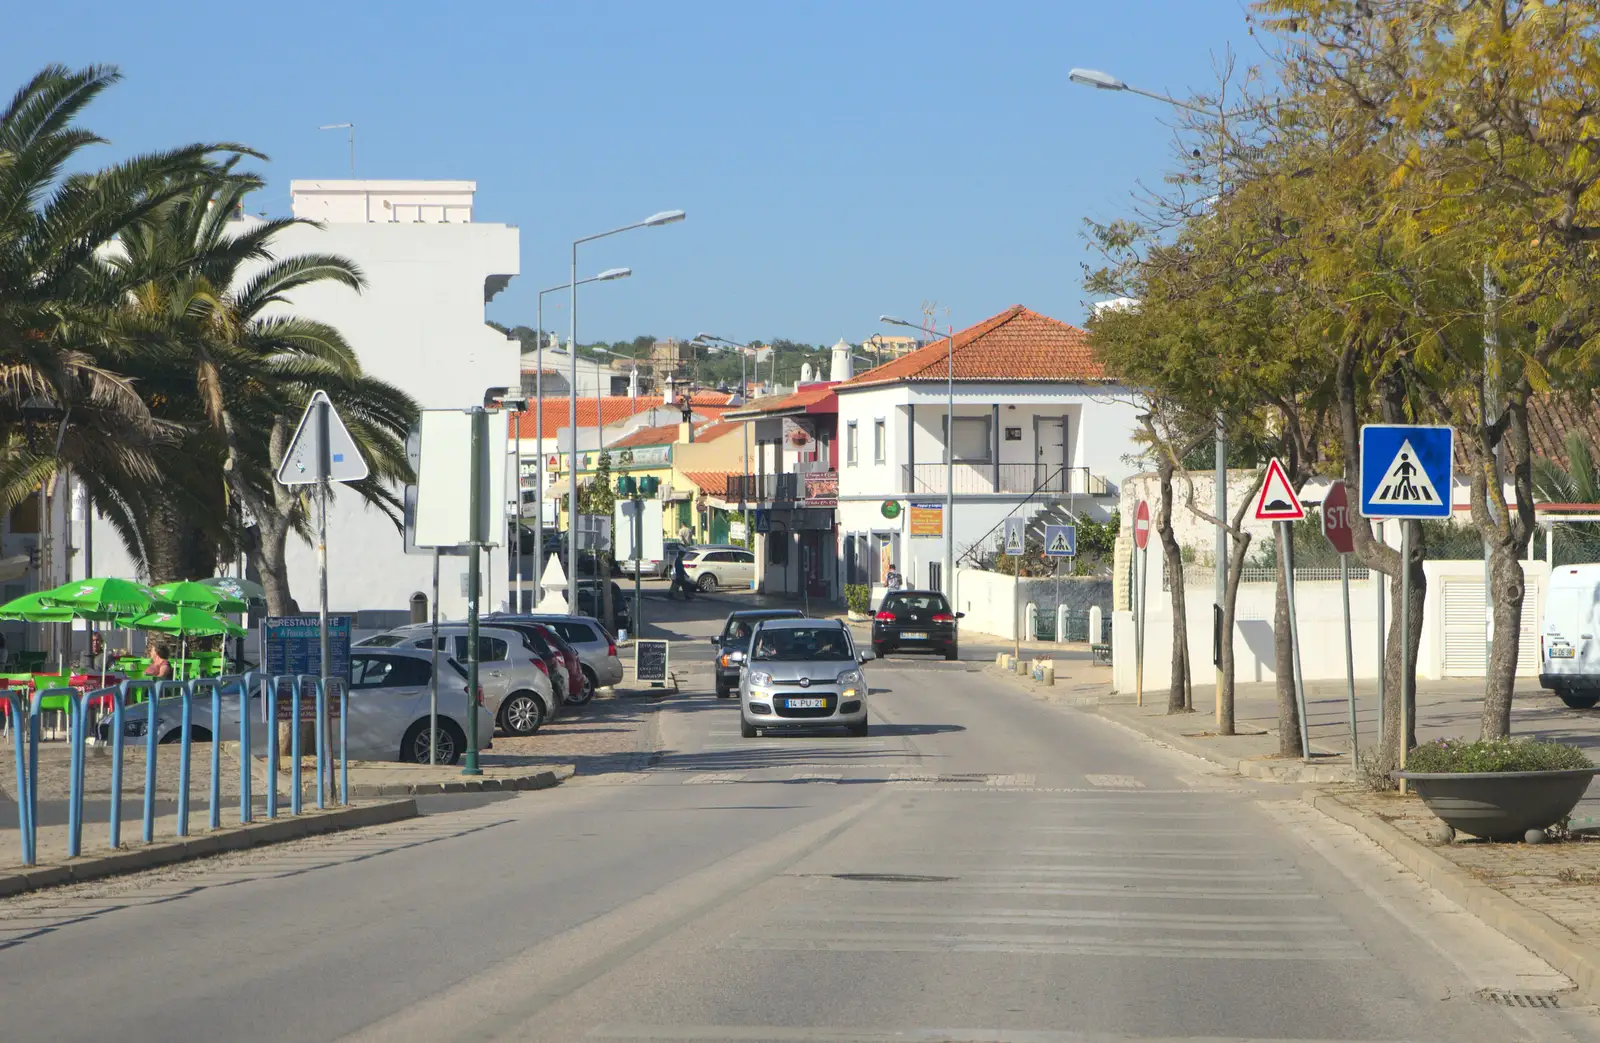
{"type": "Point", "coordinates": [664, 217]}
{"type": "Point", "coordinates": [1106, 82]}
{"type": "Point", "coordinates": [949, 450]}
{"type": "Point", "coordinates": [351, 127]}
{"type": "Point", "coordinates": [538, 424]}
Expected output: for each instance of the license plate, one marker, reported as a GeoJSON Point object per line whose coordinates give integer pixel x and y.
{"type": "Point", "coordinates": [807, 704]}
{"type": "Point", "coordinates": [914, 635]}
{"type": "Point", "coordinates": [1563, 652]}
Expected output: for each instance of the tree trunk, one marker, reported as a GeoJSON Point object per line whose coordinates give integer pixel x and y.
{"type": "Point", "coordinates": [1507, 587]}
{"type": "Point", "coordinates": [1388, 755]}
{"type": "Point", "coordinates": [1178, 699]}
{"type": "Point", "coordinates": [1238, 549]}
{"type": "Point", "coordinates": [1283, 657]}
{"type": "Point", "coordinates": [274, 567]}
{"type": "Point", "coordinates": [176, 549]}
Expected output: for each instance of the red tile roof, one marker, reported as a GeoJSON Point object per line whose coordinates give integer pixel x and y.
{"type": "Point", "coordinates": [716, 429]}
{"type": "Point", "coordinates": [1017, 344]}
{"type": "Point", "coordinates": [614, 409]}
{"type": "Point", "coordinates": [712, 483]}
{"type": "Point", "coordinates": [666, 434]}
{"type": "Point", "coordinates": [813, 398]}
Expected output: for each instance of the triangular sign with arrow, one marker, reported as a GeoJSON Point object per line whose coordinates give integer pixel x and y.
{"type": "Point", "coordinates": [300, 460]}
{"type": "Point", "coordinates": [1277, 500]}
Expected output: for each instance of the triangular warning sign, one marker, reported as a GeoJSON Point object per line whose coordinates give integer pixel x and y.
{"type": "Point", "coordinates": [1277, 501]}
{"type": "Point", "coordinates": [1405, 481]}
{"type": "Point", "coordinates": [1059, 544]}
{"type": "Point", "coordinates": [345, 463]}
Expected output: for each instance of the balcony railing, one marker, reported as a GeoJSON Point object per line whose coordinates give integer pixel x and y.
{"type": "Point", "coordinates": [1019, 479]}
{"type": "Point", "coordinates": [764, 488]}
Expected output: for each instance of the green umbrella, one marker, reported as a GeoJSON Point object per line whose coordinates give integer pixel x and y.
{"type": "Point", "coordinates": [105, 599]}
{"type": "Point", "coordinates": [237, 587]}
{"type": "Point", "coordinates": [35, 608]}
{"type": "Point", "coordinates": [188, 594]}
{"type": "Point", "coordinates": [185, 620]}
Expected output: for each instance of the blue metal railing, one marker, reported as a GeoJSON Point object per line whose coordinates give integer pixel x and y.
{"type": "Point", "coordinates": [23, 719]}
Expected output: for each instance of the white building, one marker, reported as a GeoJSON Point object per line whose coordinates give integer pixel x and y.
{"type": "Point", "coordinates": [419, 324]}
{"type": "Point", "coordinates": [1037, 424]}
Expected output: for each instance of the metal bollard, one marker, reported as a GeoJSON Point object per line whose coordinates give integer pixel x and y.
{"type": "Point", "coordinates": [270, 687]}
{"type": "Point", "coordinates": [185, 755]}
{"type": "Point", "coordinates": [294, 747]}
{"type": "Point", "coordinates": [119, 702]}
{"type": "Point", "coordinates": [19, 719]}
{"type": "Point", "coordinates": [344, 743]}
{"type": "Point", "coordinates": [77, 709]}
{"type": "Point", "coordinates": [322, 745]}
{"type": "Point", "coordinates": [246, 796]}
{"type": "Point", "coordinates": [151, 697]}
{"type": "Point", "coordinates": [214, 795]}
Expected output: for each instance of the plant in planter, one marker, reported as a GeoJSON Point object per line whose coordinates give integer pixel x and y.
{"type": "Point", "coordinates": [1499, 789]}
{"type": "Point", "coordinates": [858, 599]}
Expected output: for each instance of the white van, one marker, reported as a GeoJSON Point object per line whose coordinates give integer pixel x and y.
{"type": "Point", "coordinates": [1569, 648]}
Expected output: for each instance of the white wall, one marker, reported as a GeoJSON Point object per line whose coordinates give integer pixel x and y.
{"type": "Point", "coordinates": [1320, 616]}
{"type": "Point", "coordinates": [418, 324]}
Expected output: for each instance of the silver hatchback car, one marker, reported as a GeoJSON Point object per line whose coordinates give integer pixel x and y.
{"type": "Point", "coordinates": [803, 673]}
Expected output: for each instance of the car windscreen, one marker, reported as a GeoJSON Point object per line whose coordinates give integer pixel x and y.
{"type": "Point", "coordinates": [915, 603]}
{"type": "Point", "coordinates": [381, 641]}
{"type": "Point", "coordinates": [738, 628]}
{"type": "Point", "coordinates": [800, 643]}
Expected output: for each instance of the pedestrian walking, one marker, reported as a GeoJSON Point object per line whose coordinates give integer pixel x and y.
{"type": "Point", "coordinates": [680, 579]}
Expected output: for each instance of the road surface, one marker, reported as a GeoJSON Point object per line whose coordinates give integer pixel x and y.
{"type": "Point", "coordinates": [981, 867]}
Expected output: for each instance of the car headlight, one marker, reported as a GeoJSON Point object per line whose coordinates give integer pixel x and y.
{"type": "Point", "coordinates": [135, 729]}
{"type": "Point", "coordinates": [760, 679]}
{"type": "Point", "coordinates": [850, 677]}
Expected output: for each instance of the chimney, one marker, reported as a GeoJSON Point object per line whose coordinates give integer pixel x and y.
{"type": "Point", "coordinates": [685, 431]}
{"type": "Point", "coordinates": [839, 365]}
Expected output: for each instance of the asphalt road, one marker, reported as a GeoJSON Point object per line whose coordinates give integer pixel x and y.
{"type": "Point", "coordinates": [981, 867]}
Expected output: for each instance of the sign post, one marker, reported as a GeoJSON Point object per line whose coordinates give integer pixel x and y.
{"type": "Point", "coordinates": [1061, 541]}
{"type": "Point", "coordinates": [1406, 474]}
{"type": "Point", "coordinates": [1278, 503]}
{"type": "Point", "coordinates": [1336, 527]}
{"type": "Point", "coordinates": [320, 452]}
{"type": "Point", "coordinates": [1141, 540]}
{"type": "Point", "coordinates": [1014, 542]}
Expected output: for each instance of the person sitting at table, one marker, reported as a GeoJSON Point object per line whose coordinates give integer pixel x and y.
{"type": "Point", "coordinates": [88, 660]}
{"type": "Point", "coordinates": [160, 666]}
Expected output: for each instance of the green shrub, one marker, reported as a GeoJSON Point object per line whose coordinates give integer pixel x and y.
{"type": "Point", "coordinates": [857, 597]}
{"type": "Point", "coordinates": [1458, 755]}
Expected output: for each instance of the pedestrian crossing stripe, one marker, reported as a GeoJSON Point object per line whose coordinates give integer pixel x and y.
{"type": "Point", "coordinates": [1405, 481]}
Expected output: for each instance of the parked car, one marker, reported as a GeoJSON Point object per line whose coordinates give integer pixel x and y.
{"type": "Point", "coordinates": [565, 683]}
{"type": "Point", "coordinates": [596, 648]}
{"type": "Point", "coordinates": [590, 603]}
{"type": "Point", "coordinates": [802, 673]}
{"type": "Point", "coordinates": [388, 699]}
{"type": "Point", "coordinates": [735, 637]}
{"type": "Point", "coordinates": [720, 567]}
{"type": "Point", "coordinates": [1569, 661]}
{"type": "Point", "coordinates": [515, 680]}
{"type": "Point", "coordinates": [915, 620]}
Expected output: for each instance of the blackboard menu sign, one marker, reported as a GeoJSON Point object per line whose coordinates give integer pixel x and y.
{"type": "Point", "coordinates": [293, 645]}
{"type": "Point", "coordinates": [650, 661]}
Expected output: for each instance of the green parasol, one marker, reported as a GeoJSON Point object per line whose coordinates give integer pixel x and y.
{"type": "Point", "coordinates": [185, 620]}
{"type": "Point", "coordinates": [236, 587]}
{"type": "Point", "coordinates": [35, 608]}
{"type": "Point", "coordinates": [189, 594]}
{"type": "Point", "coordinates": [105, 599]}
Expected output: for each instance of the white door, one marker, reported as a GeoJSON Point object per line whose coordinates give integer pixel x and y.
{"type": "Point", "coordinates": [742, 567]}
{"type": "Point", "coordinates": [1050, 453]}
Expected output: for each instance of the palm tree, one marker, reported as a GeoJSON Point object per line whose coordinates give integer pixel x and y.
{"type": "Point", "coordinates": [235, 372]}
{"type": "Point", "coordinates": [1577, 482]}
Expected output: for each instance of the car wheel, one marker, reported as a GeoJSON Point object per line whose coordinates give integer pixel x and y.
{"type": "Point", "coordinates": [593, 682]}
{"type": "Point", "coordinates": [880, 651]}
{"type": "Point", "coordinates": [198, 734]}
{"type": "Point", "coordinates": [707, 582]}
{"type": "Point", "coordinates": [951, 654]}
{"type": "Point", "coordinates": [585, 690]}
{"type": "Point", "coordinates": [521, 714]}
{"type": "Point", "coordinates": [747, 729]}
{"type": "Point", "coordinates": [1578, 700]}
{"type": "Point", "coordinates": [722, 691]}
{"type": "Point", "coordinates": [858, 730]}
{"type": "Point", "coordinates": [451, 742]}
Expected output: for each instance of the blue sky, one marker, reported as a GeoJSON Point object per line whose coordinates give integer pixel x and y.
{"type": "Point", "coordinates": [838, 160]}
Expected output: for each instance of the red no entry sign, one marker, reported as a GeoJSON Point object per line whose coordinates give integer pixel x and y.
{"type": "Point", "coordinates": [1141, 525]}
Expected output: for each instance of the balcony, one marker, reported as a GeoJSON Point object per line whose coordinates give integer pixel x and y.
{"type": "Point", "coordinates": [1006, 479]}
{"type": "Point", "coordinates": [764, 488]}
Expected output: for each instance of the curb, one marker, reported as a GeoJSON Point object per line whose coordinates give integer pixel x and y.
{"type": "Point", "coordinates": [1250, 768]}
{"type": "Point", "coordinates": [1535, 931]}
{"type": "Point", "coordinates": [184, 849]}
{"type": "Point", "coordinates": [497, 784]}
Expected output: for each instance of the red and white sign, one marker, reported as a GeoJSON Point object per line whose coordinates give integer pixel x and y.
{"type": "Point", "coordinates": [1141, 525]}
{"type": "Point", "coordinates": [1277, 501]}
{"type": "Point", "coordinates": [1336, 519]}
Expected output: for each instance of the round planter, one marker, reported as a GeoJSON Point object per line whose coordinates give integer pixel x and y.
{"type": "Point", "coordinates": [1500, 805]}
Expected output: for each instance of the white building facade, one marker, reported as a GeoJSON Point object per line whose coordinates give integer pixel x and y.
{"type": "Point", "coordinates": [418, 324]}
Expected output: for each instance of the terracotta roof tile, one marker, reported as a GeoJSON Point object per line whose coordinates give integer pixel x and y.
{"type": "Point", "coordinates": [1552, 417]}
{"type": "Point", "coordinates": [614, 409]}
{"type": "Point", "coordinates": [666, 434]}
{"type": "Point", "coordinates": [813, 398]}
{"type": "Point", "coordinates": [712, 483]}
{"type": "Point", "coordinates": [1017, 344]}
{"type": "Point", "coordinates": [716, 429]}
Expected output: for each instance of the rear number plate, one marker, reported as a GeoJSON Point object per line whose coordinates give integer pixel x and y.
{"type": "Point", "coordinates": [807, 704]}
{"type": "Point", "coordinates": [914, 635]}
{"type": "Point", "coordinates": [1562, 652]}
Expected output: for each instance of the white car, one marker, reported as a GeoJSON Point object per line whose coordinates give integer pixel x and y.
{"type": "Point", "coordinates": [713, 567]}
{"type": "Point", "coordinates": [389, 691]}
{"type": "Point", "coordinates": [516, 688]}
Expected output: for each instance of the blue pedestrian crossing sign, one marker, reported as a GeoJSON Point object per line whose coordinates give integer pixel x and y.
{"type": "Point", "coordinates": [1406, 470]}
{"type": "Point", "coordinates": [1060, 541]}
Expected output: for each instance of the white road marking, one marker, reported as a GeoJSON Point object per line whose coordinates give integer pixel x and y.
{"type": "Point", "coordinates": [714, 777]}
{"type": "Point", "coordinates": [1115, 781]}
{"type": "Point", "coordinates": [816, 776]}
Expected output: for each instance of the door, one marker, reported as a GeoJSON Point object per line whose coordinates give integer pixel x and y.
{"type": "Point", "coordinates": [741, 565]}
{"type": "Point", "coordinates": [384, 693]}
{"type": "Point", "coordinates": [719, 527]}
{"type": "Point", "coordinates": [1050, 453]}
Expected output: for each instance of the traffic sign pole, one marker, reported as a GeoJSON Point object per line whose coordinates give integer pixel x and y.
{"type": "Point", "coordinates": [1350, 660]}
{"type": "Point", "coordinates": [324, 465]}
{"type": "Point", "coordinates": [1405, 645]}
{"type": "Point", "coordinates": [1141, 541]}
{"type": "Point", "coordinates": [1337, 528]}
{"type": "Point", "coordinates": [480, 436]}
{"type": "Point", "coordinates": [1286, 559]}
{"type": "Point", "coordinates": [1383, 638]}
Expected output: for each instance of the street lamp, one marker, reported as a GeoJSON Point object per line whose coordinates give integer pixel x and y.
{"type": "Point", "coordinates": [949, 449]}
{"type": "Point", "coordinates": [538, 423]}
{"type": "Point", "coordinates": [664, 217]}
{"type": "Point", "coordinates": [351, 127]}
{"type": "Point", "coordinates": [1106, 82]}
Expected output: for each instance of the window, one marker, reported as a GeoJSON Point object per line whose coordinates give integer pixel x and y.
{"type": "Point", "coordinates": [744, 557]}
{"type": "Point", "coordinates": [801, 643]}
{"type": "Point", "coordinates": [850, 444]}
{"type": "Point", "coordinates": [387, 672]}
{"type": "Point", "coordinates": [490, 649]}
{"type": "Point", "coordinates": [382, 641]}
{"type": "Point", "coordinates": [880, 440]}
{"type": "Point", "coordinates": [574, 632]}
{"type": "Point", "coordinates": [972, 439]}
{"type": "Point", "coordinates": [916, 603]}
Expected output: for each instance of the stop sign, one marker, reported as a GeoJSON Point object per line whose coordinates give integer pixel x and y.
{"type": "Point", "coordinates": [1336, 519]}
{"type": "Point", "coordinates": [1141, 525]}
